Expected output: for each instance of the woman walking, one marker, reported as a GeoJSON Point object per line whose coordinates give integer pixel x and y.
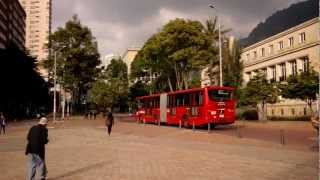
{"type": "Point", "coordinates": [109, 122]}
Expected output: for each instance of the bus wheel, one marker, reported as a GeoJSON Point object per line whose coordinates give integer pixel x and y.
{"type": "Point", "coordinates": [185, 119]}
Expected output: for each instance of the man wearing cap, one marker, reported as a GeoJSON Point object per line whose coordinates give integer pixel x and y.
{"type": "Point", "coordinates": [37, 138]}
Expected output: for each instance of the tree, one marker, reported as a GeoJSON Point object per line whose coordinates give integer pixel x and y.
{"type": "Point", "coordinates": [112, 89]}
{"type": "Point", "coordinates": [257, 93]}
{"type": "Point", "coordinates": [304, 86]}
{"type": "Point", "coordinates": [179, 49]}
{"type": "Point", "coordinates": [100, 95]}
{"type": "Point", "coordinates": [23, 92]}
{"type": "Point", "coordinates": [116, 76]}
{"type": "Point", "coordinates": [232, 65]}
{"type": "Point", "coordinates": [77, 58]}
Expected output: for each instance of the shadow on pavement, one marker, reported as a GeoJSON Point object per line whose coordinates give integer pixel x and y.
{"type": "Point", "coordinates": [80, 170]}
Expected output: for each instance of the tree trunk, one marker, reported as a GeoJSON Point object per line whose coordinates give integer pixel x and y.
{"type": "Point", "coordinates": [170, 85]}
{"type": "Point", "coordinates": [261, 108]}
{"type": "Point", "coordinates": [177, 77]}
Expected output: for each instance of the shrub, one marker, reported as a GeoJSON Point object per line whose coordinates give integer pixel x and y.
{"type": "Point", "coordinates": [288, 118]}
{"type": "Point", "coordinates": [247, 114]}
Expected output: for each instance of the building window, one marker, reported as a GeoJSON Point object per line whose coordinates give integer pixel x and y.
{"type": "Point", "coordinates": [292, 111]}
{"type": "Point", "coordinates": [262, 52]}
{"type": "Point", "coordinates": [254, 54]}
{"type": "Point", "coordinates": [271, 49]}
{"type": "Point", "coordinates": [282, 112]}
{"type": "Point", "coordinates": [291, 41]}
{"type": "Point", "coordinates": [272, 111]}
{"type": "Point", "coordinates": [293, 65]}
{"type": "Point", "coordinates": [283, 71]}
{"type": "Point", "coordinates": [302, 37]}
{"type": "Point", "coordinates": [305, 111]}
{"type": "Point", "coordinates": [305, 64]}
{"type": "Point", "coordinates": [280, 45]}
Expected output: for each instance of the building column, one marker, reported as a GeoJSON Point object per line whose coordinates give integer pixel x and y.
{"type": "Point", "coordinates": [288, 68]}
{"type": "Point", "coordinates": [278, 72]}
{"type": "Point", "coordinates": [269, 73]}
{"type": "Point", "coordinates": [246, 77]}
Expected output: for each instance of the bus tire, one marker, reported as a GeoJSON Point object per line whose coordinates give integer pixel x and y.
{"type": "Point", "coordinates": [185, 119]}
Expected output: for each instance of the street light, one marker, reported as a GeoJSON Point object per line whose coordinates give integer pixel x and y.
{"type": "Point", "coordinates": [54, 86]}
{"type": "Point", "coordinates": [150, 77]}
{"type": "Point", "coordinates": [220, 51]}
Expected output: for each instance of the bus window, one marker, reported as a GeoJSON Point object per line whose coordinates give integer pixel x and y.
{"type": "Point", "coordinates": [220, 95]}
{"type": "Point", "coordinates": [198, 99]}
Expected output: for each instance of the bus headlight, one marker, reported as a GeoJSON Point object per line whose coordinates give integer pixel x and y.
{"type": "Point", "coordinates": [213, 113]}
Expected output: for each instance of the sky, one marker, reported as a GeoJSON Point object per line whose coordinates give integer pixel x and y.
{"type": "Point", "coordinates": [121, 24]}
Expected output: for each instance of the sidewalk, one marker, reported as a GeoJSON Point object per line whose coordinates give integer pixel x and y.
{"type": "Point", "coordinates": [80, 149]}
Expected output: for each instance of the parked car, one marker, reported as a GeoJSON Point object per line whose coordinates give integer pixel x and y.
{"type": "Point", "coordinates": [315, 121]}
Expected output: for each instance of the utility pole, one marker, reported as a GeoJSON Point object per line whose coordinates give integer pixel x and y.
{"type": "Point", "coordinates": [54, 86]}
{"type": "Point", "coordinates": [220, 49]}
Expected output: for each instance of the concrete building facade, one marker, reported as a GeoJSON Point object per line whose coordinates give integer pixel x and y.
{"type": "Point", "coordinates": [38, 27]}
{"type": "Point", "coordinates": [129, 56]}
{"type": "Point", "coordinates": [12, 24]}
{"type": "Point", "coordinates": [282, 55]}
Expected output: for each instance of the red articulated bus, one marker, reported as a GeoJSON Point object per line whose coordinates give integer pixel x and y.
{"type": "Point", "coordinates": [212, 105]}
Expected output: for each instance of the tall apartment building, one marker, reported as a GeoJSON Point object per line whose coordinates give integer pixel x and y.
{"type": "Point", "coordinates": [129, 56]}
{"type": "Point", "coordinates": [38, 27]}
{"type": "Point", "coordinates": [282, 55]}
{"type": "Point", "coordinates": [12, 24]}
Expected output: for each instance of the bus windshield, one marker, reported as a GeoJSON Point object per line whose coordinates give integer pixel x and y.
{"type": "Point", "coordinates": [220, 95]}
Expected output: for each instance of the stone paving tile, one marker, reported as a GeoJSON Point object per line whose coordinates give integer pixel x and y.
{"type": "Point", "coordinates": [136, 152]}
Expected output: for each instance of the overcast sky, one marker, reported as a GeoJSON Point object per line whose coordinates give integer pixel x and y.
{"type": "Point", "coordinates": [119, 24]}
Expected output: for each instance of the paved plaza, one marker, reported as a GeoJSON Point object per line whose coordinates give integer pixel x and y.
{"type": "Point", "coordinates": [80, 149]}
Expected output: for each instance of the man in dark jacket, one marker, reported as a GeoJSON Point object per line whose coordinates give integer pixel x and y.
{"type": "Point", "coordinates": [37, 138]}
{"type": "Point", "coordinates": [109, 122]}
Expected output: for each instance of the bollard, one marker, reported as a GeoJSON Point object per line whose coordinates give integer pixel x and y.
{"type": "Point", "coordinates": [239, 131]}
{"type": "Point", "coordinates": [180, 124]}
{"type": "Point", "coordinates": [282, 137]}
{"type": "Point", "coordinates": [193, 126]}
{"type": "Point", "coordinates": [209, 127]}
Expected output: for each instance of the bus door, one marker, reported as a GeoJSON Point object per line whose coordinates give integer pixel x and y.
{"type": "Point", "coordinates": [172, 110]}
{"type": "Point", "coordinates": [196, 102]}
{"type": "Point", "coordinates": [163, 108]}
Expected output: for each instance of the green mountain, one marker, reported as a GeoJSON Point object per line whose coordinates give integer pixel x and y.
{"type": "Point", "coordinates": [283, 20]}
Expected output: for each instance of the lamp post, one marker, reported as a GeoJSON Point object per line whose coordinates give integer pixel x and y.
{"type": "Point", "coordinates": [150, 77]}
{"type": "Point", "coordinates": [220, 50]}
{"type": "Point", "coordinates": [54, 86]}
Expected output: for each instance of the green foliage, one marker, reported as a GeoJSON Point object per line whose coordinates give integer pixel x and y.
{"type": "Point", "coordinates": [289, 118]}
{"type": "Point", "coordinates": [232, 66]}
{"type": "Point", "coordinates": [177, 50]}
{"type": "Point", "coordinates": [101, 95]}
{"type": "Point", "coordinates": [258, 90]}
{"type": "Point", "coordinates": [23, 91]}
{"type": "Point", "coordinates": [248, 114]}
{"type": "Point", "coordinates": [304, 86]}
{"type": "Point", "coordinates": [257, 93]}
{"type": "Point", "coordinates": [77, 58]}
{"type": "Point", "coordinates": [112, 90]}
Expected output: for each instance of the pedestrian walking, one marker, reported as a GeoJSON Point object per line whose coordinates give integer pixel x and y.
{"type": "Point", "coordinates": [35, 150]}
{"type": "Point", "coordinates": [109, 122]}
{"type": "Point", "coordinates": [2, 123]}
